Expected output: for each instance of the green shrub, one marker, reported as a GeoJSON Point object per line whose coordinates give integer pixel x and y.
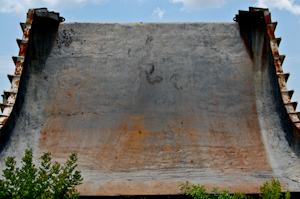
{"type": "Point", "coordinates": [48, 181]}
{"type": "Point", "coordinates": [194, 191]}
{"type": "Point", "coordinates": [272, 190]}
{"type": "Point", "coordinates": [199, 192]}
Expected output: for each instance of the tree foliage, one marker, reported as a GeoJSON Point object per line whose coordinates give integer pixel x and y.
{"type": "Point", "coordinates": [51, 181]}
{"type": "Point", "coordinates": [270, 190]}
{"type": "Point", "coordinates": [197, 191]}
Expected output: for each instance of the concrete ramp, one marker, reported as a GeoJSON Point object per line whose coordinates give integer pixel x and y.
{"type": "Point", "coordinates": [150, 105]}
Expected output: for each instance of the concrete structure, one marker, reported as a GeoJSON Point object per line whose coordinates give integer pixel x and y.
{"type": "Point", "coordinates": [149, 105]}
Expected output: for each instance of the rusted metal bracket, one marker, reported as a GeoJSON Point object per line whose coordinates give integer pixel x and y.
{"type": "Point", "coordinates": [3, 106]}
{"type": "Point", "coordinates": [9, 97]}
{"type": "Point", "coordinates": [289, 93]}
{"type": "Point", "coordinates": [11, 77]}
{"type": "Point", "coordinates": [277, 40]}
{"type": "Point", "coordinates": [263, 17]}
{"type": "Point", "coordinates": [284, 75]}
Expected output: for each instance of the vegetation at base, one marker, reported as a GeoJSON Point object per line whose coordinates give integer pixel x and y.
{"type": "Point", "coordinates": [270, 190]}
{"type": "Point", "coordinates": [51, 181]}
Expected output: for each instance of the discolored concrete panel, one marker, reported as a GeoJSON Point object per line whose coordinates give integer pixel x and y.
{"type": "Point", "coordinates": [149, 105]}
{"type": "Point", "coordinates": [141, 99]}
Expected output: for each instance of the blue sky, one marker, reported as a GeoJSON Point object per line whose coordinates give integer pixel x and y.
{"type": "Point", "coordinates": [286, 12]}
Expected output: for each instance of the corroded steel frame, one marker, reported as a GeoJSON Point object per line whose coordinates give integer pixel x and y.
{"type": "Point", "coordinates": [9, 97]}
{"type": "Point", "coordinates": [278, 61]}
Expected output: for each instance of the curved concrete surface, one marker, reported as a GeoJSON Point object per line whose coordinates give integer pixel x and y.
{"type": "Point", "coordinates": [149, 105]}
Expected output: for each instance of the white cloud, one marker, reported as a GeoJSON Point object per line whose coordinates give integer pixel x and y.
{"type": "Point", "coordinates": [158, 12]}
{"type": "Point", "coordinates": [288, 5]}
{"type": "Point", "coordinates": [199, 4]}
{"type": "Point", "coordinates": [21, 6]}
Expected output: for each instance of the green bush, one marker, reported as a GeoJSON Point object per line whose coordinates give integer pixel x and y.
{"type": "Point", "coordinates": [48, 181]}
{"type": "Point", "coordinates": [199, 192]}
{"type": "Point", "coordinates": [194, 190]}
{"type": "Point", "coordinates": [270, 190]}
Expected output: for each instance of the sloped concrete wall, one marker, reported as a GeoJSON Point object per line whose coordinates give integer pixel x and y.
{"type": "Point", "coordinates": [149, 105]}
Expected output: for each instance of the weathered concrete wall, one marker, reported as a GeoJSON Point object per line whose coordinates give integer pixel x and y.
{"type": "Point", "coordinates": [149, 105]}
